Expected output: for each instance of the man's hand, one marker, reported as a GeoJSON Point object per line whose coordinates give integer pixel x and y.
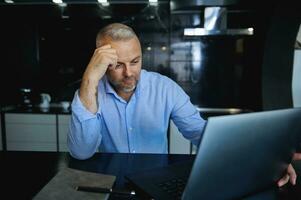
{"type": "Point", "coordinates": [103, 57]}
{"type": "Point", "coordinates": [291, 173]}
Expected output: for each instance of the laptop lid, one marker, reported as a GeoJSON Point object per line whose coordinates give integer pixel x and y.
{"type": "Point", "coordinates": [243, 154]}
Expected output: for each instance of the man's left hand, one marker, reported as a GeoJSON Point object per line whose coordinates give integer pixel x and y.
{"type": "Point", "coordinates": [291, 173]}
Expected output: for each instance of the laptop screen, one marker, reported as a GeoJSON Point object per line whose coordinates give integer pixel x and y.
{"type": "Point", "coordinates": [243, 154]}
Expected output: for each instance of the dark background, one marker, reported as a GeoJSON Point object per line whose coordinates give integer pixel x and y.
{"type": "Point", "coordinates": [46, 47]}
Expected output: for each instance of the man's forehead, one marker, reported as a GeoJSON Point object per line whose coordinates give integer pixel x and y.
{"type": "Point", "coordinates": [127, 50]}
{"type": "Point", "coordinates": [124, 44]}
{"type": "Point", "coordinates": [119, 43]}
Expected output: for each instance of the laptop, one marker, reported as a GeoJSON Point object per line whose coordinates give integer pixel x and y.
{"type": "Point", "coordinates": [238, 156]}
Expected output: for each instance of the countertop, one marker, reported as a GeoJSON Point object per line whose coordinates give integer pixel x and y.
{"type": "Point", "coordinates": [56, 108]}
{"type": "Point", "coordinates": [52, 109]}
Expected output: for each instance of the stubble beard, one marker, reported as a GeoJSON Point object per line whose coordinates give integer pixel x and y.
{"type": "Point", "coordinates": [120, 86]}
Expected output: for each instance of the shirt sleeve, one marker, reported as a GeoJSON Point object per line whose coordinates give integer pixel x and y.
{"type": "Point", "coordinates": [185, 115]}
{"type": "Point", "coordinates": [84, 134]}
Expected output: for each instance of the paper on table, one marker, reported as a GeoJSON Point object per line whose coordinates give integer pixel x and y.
{"type": "Point", "coordinates": [62, 185]}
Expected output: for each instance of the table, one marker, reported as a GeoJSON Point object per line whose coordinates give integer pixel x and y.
{"type": "Point", "coordinates": [23, 174]}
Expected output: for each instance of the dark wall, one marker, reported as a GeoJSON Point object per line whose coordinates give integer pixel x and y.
{"type": "Point", "coordinates": [19, 64]}
{"type": "Point", "coordinates": [43, 57]}
{"type": "Point", "coordinates": [47, 47]}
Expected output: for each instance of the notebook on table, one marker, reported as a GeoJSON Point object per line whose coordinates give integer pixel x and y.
{"type": "Point", "coordinates": [62, 185]}
{"type": "Point", "coordinates": [239, 156]}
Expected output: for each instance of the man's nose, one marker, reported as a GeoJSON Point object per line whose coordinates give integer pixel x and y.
{"type": "Point", "coordinates": [127, 70]}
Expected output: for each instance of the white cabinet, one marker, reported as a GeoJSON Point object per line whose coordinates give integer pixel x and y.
{"type": "Point", "coordinates": [63, 128]}
{"type": "Point", "coordinates": [31, 132]}
{"type": "Point", "coordinates": [177, 143]}
{"type": "Point", "coordinates": [48, 132]}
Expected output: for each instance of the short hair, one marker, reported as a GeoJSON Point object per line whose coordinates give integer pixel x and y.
{"type": "Point", "coordinates": [115, 32]}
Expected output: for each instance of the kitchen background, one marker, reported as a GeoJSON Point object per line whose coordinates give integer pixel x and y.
{"type": "Point", "coordinates": [243, 55]}
{"type": "Point", "coordinates": [224, 54]}
{"type": "Point", "coordinates": [46, 47]}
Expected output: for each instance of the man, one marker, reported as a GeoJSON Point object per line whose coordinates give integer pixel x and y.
{"type": "Point", "coordinates": [121, 108]}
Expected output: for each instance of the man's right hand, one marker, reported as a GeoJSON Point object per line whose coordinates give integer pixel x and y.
{"type": "Point", "coordinates": [103, 57]}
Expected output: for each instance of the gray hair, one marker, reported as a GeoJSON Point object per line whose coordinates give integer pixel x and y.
{"type": "Point", "coordinates": [115, 32]}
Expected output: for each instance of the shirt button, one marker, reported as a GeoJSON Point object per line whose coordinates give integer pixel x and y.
{"type": "Point", "coordinates": [130, 128]}
{"type": "Point", "coordinates": [134, 151]}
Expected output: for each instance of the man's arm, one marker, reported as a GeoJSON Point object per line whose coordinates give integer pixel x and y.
{"type": "Point", "coordinates": [85, 126]}
{"type": "Point", "coordinates": [185, 115]}
{"type": "Point", "coordinates": [84, 134]}
{"type": "Point", "coordinates": [102, 58]}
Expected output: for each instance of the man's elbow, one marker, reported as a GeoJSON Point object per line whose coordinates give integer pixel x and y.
{"type": "Point", "coordinates": [78, 152]}
{"type": "Point", "coordinates": [80, 156]}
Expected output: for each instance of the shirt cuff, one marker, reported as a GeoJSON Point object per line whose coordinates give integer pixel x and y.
{"type": "Point", "coordinates": [80, 111]}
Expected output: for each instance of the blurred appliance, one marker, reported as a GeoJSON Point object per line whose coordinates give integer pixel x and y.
{"type": "Point", "coordinates": [215, 23]}
{"type": "Point", "coordinates": [45, 100]}
{"type": "Point", "coordinates": [26, 98]}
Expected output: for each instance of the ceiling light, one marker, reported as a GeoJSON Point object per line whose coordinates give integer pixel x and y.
{"type": "Point", "coordinates": [8, 1]}
{"type": "Point", "coordinates": [57, 1]}
{"type": "Point", "coordinates": [104, 2]}
{"type": "Point", "coordinates": [153, 2]}
{"type": "Point", "coordinates": [60, 3]}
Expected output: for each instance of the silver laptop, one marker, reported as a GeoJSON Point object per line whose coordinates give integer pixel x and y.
{"type": "Point", "coordinates": [239, 156]}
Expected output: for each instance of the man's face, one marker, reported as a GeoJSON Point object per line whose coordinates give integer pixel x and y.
{"type": "Point", "coordinates": [125, 75]}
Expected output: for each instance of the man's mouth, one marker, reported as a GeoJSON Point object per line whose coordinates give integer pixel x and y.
{"type": "Point", "coordinates": [128, 80]}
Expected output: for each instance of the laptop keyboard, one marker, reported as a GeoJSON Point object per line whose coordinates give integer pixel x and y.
{"type": "Point", "coordinates": [173, 187]}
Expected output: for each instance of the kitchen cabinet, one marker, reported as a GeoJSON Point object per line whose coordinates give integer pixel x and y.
{"type": "Point", "coordinates": [30, 132]}
{"type": "Point", "coordinates": [48, 132]}
{"type": "Point", "coordinates": [63, 128]}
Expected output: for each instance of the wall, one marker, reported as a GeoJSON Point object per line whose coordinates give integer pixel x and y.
{"type": "Point", "coordinates": [47, 47]}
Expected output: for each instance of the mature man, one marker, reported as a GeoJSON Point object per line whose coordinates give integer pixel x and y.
{"type": "Point", "coordinates": [121, 108]}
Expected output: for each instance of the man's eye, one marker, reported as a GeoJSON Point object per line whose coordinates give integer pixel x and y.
{"type": "Point", "coordinates": [118, 65]}
{"type": "Point", "coordinates": [136, 61]}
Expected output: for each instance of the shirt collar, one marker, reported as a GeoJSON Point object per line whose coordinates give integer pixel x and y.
{"type": "Point", "coordinates": [108, 88]}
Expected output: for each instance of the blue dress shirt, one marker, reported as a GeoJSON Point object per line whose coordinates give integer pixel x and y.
{"type": "Point", "coordinates": [137, 126]}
